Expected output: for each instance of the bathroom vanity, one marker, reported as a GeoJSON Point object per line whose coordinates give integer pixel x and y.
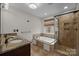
{"type": "Point", "coordinates": [23, 50]}
{"type": "Point", "coordinates": [14, 45]}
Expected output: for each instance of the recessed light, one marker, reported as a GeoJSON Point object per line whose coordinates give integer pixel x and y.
{"type": "Point", "coordinates": [65, 7]}
{"type": "Point", "coordinates": [45, 13]}
{"type": "Point", "coordinates": [6, 6]}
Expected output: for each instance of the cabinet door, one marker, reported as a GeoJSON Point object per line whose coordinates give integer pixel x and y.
{"type": "Point", "coordinates": [66, 30]}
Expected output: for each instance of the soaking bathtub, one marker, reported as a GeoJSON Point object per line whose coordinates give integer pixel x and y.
{"type": "Point", "coordinates": [47, 42]}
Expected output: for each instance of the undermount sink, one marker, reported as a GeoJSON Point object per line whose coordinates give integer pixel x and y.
{"type": "Point", "coordinates": [15, 41]}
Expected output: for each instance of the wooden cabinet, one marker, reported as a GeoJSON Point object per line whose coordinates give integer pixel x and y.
{"type": "Point", "coordinates": [20, 51]}
{"type": "Point", "coordinates": [69, 30]}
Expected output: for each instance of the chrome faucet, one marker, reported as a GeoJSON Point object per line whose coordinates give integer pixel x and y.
{"type": "Point", "coordinates": [6, 40]}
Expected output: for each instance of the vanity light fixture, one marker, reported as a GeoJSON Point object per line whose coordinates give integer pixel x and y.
{"type": "Point", "coordinates": [66, 7]}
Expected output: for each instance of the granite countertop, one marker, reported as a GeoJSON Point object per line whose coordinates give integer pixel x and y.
{"type": "Point", "coordinates": [13, 46]}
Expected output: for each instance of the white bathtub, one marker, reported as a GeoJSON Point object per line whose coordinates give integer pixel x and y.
{"type": "Point", "coordinates": [46, 42]}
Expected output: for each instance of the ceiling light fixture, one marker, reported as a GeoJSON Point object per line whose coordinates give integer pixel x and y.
{"type": "Point", "coordinates": [33, 5]}
{"type": "Point", "coordinates": [45, 13]}
{"type": "Point", "coordinates": [65, 7]}
{"type": "Point", "coordinates": [6, 6]}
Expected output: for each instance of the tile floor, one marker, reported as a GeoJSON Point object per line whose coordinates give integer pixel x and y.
{"type": "Point", "coordinates": [38, 51]}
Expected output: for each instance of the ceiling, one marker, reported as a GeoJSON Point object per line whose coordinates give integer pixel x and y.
{"type": "Point", "coordinates": [45, 9]}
